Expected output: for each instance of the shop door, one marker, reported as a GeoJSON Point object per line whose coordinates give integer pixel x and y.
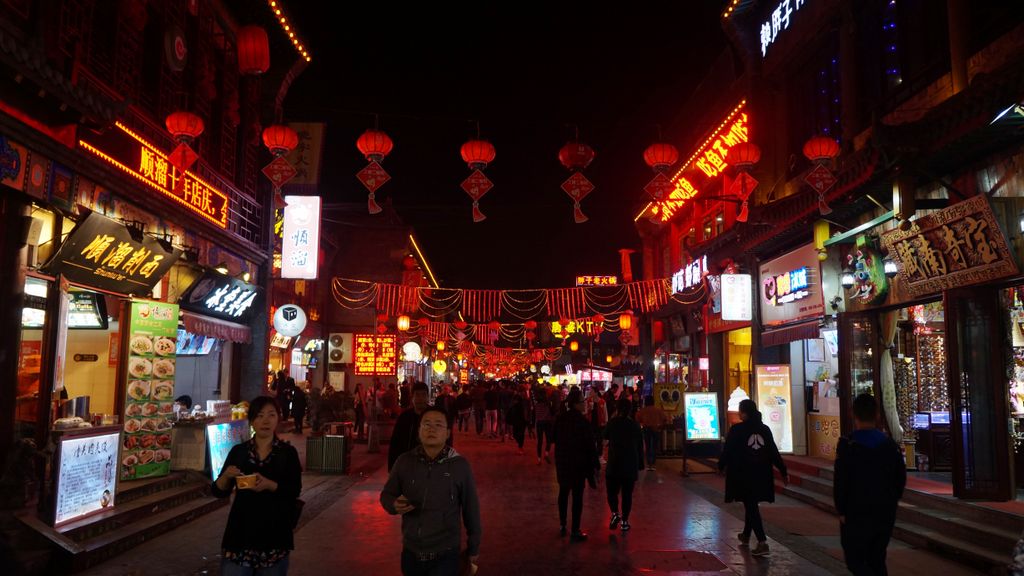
{"type": "Point", "coordinates": [859, 351]}
{"type": "Point", "coordinates": [977, 393]}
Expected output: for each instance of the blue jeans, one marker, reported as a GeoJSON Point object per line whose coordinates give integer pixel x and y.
{"type": "Point", "coordinates": [652, 438]}
{"type": "Point", "coordinates": [229, 568]}
{"type": "Point", "coordinates": [445, 564]}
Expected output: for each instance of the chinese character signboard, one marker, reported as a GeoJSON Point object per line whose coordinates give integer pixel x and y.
{"type": "Point", "coordinates": [220, 296]}
{"type": "Point", "coordinates": [376, 354]}
{"type": "Point", "coordinates": [790, 288]}
{"type": "Point", "coordinates": [144, 162]}
{"type": "Point", "coordinates": [702, 422]}
{"type": "Point", "coordinates": [773, 399]}
{"type": "Point", "coordinates": [220, 438]}
{"type": "Point", "coordinates": [822, 436]}
{"type": "Point", "coordinates": [102, 253]}
{"type": "Point", "coordinates": [777, 21]}
{"type": "Point", "coordinates": [300, 243]}
{"type": "Point", "coordinates": [691, 275]}
{"type": "Point", "coordinates": [958, 246]}
{"type": "Point", "coordinates": [736, 297]}
{"type": "Point", "coordinates": [86, 474]}
{"type": "Point", "coordinates": [152, 349]}
{"type": "Point", "coordinates": [597, 280]}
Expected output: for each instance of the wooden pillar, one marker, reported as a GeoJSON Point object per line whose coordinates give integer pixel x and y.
{"type": "Point", "coordinates": [958, 18]}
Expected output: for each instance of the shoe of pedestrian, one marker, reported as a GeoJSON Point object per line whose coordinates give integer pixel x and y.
{"type": "Point", "coordinates": [744, 538]}
{"type": "Point", "coordinates": [538, 461]}
{"type": "Point", "coordinates": [561, 531]}
{"type": "Point", "coordinates": [547, 458]}
{"type": "Point", "coordinates": [761, 549]}
{"type": "Point", "coordinates": [625, 525]}
{"type": "Point", "coordinates": [578, 537]}
{"type": "Point", "coordinates": [615, 521]}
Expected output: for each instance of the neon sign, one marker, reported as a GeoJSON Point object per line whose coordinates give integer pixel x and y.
{"type": "Point", "coordinates": [691, 275]}
{"type": "Point", "coordinates": [151, 167]}
{"type": "Point", "coordinates": [778, 21]}
{"type": "Point", "coordinates": [709, 158]}
{"type": "Point", "coordinates": [597, 280]}
{"type": "Point", "coordinates": [376, 354]}
{"type": "Point", "coordinates": [787, 287]}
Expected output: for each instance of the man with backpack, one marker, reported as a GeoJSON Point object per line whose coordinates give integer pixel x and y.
{"type": "Point", "coordinates": [870, 475]}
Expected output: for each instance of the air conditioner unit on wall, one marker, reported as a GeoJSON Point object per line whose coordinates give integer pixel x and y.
{"type": "Point", "coordinates": [339, 350]}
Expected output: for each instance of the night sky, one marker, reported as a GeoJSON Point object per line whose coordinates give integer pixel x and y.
{"type": "Point", "coordinates": [432, 71]}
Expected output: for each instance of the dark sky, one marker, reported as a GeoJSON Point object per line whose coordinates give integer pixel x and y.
{"type": "Point", "coordinates": [431, 71]}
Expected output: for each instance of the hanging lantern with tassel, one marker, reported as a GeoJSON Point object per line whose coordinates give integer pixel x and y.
{"type": "Point", "coordinates": [477, 154]}
{"type": "Point", "coordinates": [185, 127]}
{"type": "Point", "coordinates": [375, 145]}
{"type": "Point", "coordinates": [576, 156]}
{"type": "Point", "coordinates": [820, 150]}
{"type": "Point", "coordinates": [403, 323]}
{"type": "Point", "coordinates": [253, 50]}
{"type": "Point", "coordinates": [279, 140]}
{"type": "Point", "coordinates": [743, 156]}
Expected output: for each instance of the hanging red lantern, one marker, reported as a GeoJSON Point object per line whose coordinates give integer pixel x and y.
{"type": "Point", "coordinates": [661, 156]}
{"type": "Point", "coordinates": [423, 322]}
{"type": "Point", "coordinates": [494, 325]}
{"type": "Point", "coordinates": [409, 263]}
{"type": "Point", "coordinates": [530, 324]}
{"type": "Point", "coordinates": [403, 322]}
{"type": "Point", "coordinates": [531, 335]}
{"type": "Point", "coordinates": [440, 346]}
{"type": "Point", "coordinates": [477, 154]}
{"type": "Point", "coordinates": [576, 155]}
{"type": "Point", "coordinates": [375, 145]}
{"type": "Point", "coordinates": [184, 126]}
{"type": "Point", "coordinates": [598, 319]}
{"type": "Point", "coordinates": [381, 318]}
{"type": "Point", "coordinates": [574, 346]}
{"type": "Point", "coordinates": [253, 50]}
{"type": "Point", "coordinates": [280, 139]}
{"type": "Point", "coordinates": [460, 324]}
{"type": "Point", "coordinates": [821, 148]}
{"type": "Point", "coordinates": [625, 321]}
{"type": "Point", "coordinates": [744, 155]}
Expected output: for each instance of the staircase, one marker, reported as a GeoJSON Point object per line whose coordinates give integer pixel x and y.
{"type": "Point", "coordinates": [974, 535]}
{"type": "Point", "coordinates": [144, 510]}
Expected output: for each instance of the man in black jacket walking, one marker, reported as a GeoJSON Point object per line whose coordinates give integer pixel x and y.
{"type": "Point", "coordinates": [432, 487]}
{"type": "Point", "coordinates": [576, 461]}
{"type": "Point", "coordinates": [405, 435]}
{"type": "Point", "coordinates": [870, 474]}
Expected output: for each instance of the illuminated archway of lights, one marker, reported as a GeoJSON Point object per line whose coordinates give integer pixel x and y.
{"type": "Point", "coordinates": [289, 29]}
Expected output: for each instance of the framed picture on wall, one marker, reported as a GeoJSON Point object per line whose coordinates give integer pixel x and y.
{"type": "Point", "coordinates": [815, 349]}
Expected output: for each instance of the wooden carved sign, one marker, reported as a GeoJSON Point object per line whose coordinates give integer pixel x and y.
{"type": "Point", "coordinates": [958, 246]}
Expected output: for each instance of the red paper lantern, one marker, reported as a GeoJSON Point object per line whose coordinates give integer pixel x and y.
{"type": "Point", "coordinates": [531, 335]}
{"type": "Point", "coordinates": [184, 126]}
{"type": "Point", "coordinates": [530, 324]}
{"type": "Point", "coordinates": [409, 263]}
{"type": "Point", "coordinates": [381, 318]}
{"type": "Point", "coordinates": [375, 145]}
{"type": "Point", "coordinates": [574, 345]}
{"type": "Point", "coordinates": [820, 148]}
{"type": "Point", "coordinates": [576, 156]}
{"type": "Point", "coordinates": [477, 153]}
{"type": "Point", "coordinates": [253, 50]}
{"type": "Point", "coordinates": [661, 156]}
{"type": "Point", "coordinates": [460, 324]}
{"type": "Point", "coordinates": [625, 321]}
{"type": "Point", "coordinates": [598, 319]}
{"type": "Point", "coordinates": [403, 322]}
{"type": "Point", "coordinates": [423, 322]}
{"type": "Point", "coordinates": [280, 139]}
{"type": "Point", "coordinates": [494, 325]}
{"type": "Point", "coordinates": [744, 155]}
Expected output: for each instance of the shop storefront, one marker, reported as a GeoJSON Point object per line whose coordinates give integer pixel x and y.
{"type": "Point", "coordinates": [730, 338]}
{"type": "Point", "coordinates": [796, 395]}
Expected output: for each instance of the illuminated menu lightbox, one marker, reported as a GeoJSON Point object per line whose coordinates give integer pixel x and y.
{"type": "Point", "coordinates": [375, 354]}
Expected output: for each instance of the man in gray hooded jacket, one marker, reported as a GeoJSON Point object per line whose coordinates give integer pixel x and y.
{"type": "Point", "coordinates": [432, 487]}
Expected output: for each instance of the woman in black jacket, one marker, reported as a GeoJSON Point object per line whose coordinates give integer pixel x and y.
{"type": "Point", "coordinates": [267, 473]}
{"type": "Point", "coordinates": [576, 461]}
{"type": "Point", "coordinates": [625, 447]}
{"type": "Point", "coordinates": [516, 418]}
{"type": "Point", "coordinates": [747, 460]}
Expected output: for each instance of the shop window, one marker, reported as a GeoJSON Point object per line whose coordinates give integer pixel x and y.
{"type": "Point", "coordinates": [709, 230]}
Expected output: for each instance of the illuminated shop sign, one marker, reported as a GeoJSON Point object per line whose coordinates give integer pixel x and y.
{"type": "Point", "coordinates": [221, 296]}
{"type": "Point", "coordinates": [778, 21]}
{"type": "Point", "coordinates": [787, 287]}
{"type": "Point", "coordinates": [143, 161]}
{"type": "Point", "coordinates": [691, 275]}
{"type": "Point", "coordinates": [300, 243]}
{"type": "Point", "coordinates": [597, 280]}
{"type": "Point", "coordinates": [737, 300]}
{"type": "Point", "coordinates": [709, 158]}
{"type": "Point", "coordinates": [375, 354]}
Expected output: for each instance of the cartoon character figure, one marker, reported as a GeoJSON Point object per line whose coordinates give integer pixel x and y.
{"type": "Point", "coordinates": [669, 397]}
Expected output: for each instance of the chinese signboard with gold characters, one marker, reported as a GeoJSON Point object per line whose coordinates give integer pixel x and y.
{"type": "Point", "coordinates": [958, 246]}
{"type": "Point", "coordinates": [376, 354]}
{"type": "Point", "coordinates": [597, 280]}
{"type": "Point", "coordinates": [102, 253]}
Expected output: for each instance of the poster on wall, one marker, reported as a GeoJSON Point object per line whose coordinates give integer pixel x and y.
{"type": "Point", "coordinates": [822, 436]}
{"type": "Point", "coordinates": [773, 400]}
{"type": "Point", "coordinates": [220, 438]}
{"type": "Point", "coordinates": [86, 474]}
{"type": "Point", "coordinates": [702, 416]}
{"type": "Point", "coordinates": [152, 347]}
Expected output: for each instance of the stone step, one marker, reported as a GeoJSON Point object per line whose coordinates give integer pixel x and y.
{"type": "Point", "coordinates": [822, 470]}
{"type": "Point", "coordinates": [812, 483]}
{"type": "Point", "coordinates": [124, 514]}
{"type": "Point", "coordinates": [131, 490]}
{"type": "Point", "coordinates": [964, 509]}
{"type": "Point", "coordinates": [953, 548]}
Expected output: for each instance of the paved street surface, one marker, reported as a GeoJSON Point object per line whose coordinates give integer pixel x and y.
{"type": "Point", "coordinates": [680, 526]}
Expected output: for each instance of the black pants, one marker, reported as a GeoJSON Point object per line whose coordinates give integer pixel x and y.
{"type": "Point", "coordinates": [576, 488]}
{"type": "Point", "coordinates": [864, 543]}
{"type": "Point", "coordinates": [300, 418]}
{"type": "Point", "coordinates": [616, 485]}
{"type": "Point", "coordinates": [445, 564]}
{"type": "Point", "coordinates": [753, 521]}
{"type": "Point", "coordinates": [519, 433]}
{"type": "Point", "coordinates": [543, 436]}
{"type": "Point", "coordinates": [478, 414]}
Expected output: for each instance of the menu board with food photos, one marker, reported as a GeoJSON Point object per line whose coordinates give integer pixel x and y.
{"type": "Point", "coordinates": [152, 334]}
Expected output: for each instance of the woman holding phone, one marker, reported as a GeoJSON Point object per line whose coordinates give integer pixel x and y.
{"type": "Point", "coordinates": [267, 474]}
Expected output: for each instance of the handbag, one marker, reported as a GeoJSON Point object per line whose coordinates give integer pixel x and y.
{"type": "Point", "coordinates": [297, 512]}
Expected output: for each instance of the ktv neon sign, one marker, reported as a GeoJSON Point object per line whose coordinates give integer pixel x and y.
{"type": "Point", "coordinates": [152, 167]}
{"type": "Point", "coordinates": [710, 158]}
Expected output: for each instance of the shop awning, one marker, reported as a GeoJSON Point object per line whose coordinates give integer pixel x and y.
{"type": "Point", "coordinates": [780, 336]}
{"type": "Point", "coordinates": [222, 329]}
